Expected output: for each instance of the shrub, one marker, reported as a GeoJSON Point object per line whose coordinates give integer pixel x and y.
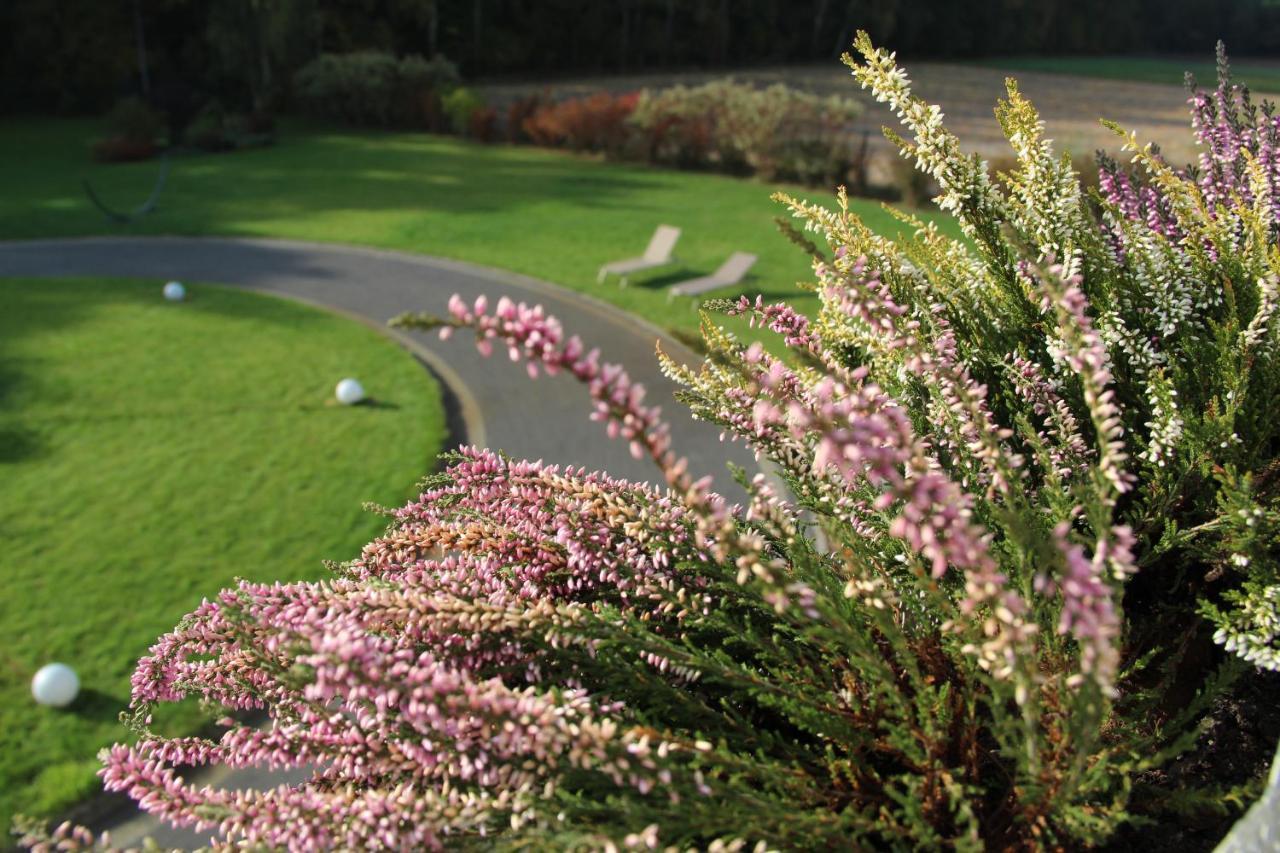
{"type": "Point", "coordinates": [372, 88]}
{"type": "Point", "coordinates": [357, 88]}
{"type": "Point", "coordinates": [132, 130]}
{"type": "Point", "coordinates": [423, 85]}
{"type": "Point", "coordinates": [912, 187]}
{"type": "Point", "coordinates": [1009, 472]}
{"type": "Point", "coordinates": [483, 126]}
{"type": "Point", "coordinates": [459, 105]}
{"type": "Point", "coordinates": [119, 150]}
{"type": "Point", "coordinates": [1204, 242]}
{"type": "Point", "coordinates": [436, 74]}
{"type": "Point", "coordinates": [469, 116]}
{"type": "Point", "coordinates": [206, 130]}
{"type": "Point", "coordinates": [594, 123]}
{"type": "Point", "coordinates": [215, 130]}
{"type": "Point", "coordinates": [678, 123]}
{"type": "Point", "coordinates": [520, 110]}
{"type": "Point", "coordinates": [777, 132]}
{"type": "Point", "coordinates": [134, 119]}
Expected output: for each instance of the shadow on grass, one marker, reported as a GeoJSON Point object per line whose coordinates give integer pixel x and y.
{"type": "Point", "coordinates": [97, 706]}
{"type": "Point", "coordinates": [184, 415]}
{"type": "Point", "coordinates": [662, 281]}
{"type": "Point", "coordinates": [25, 313]}
{"type": "Point", "coordinates": [312, 174]}
{"type": "Point", "coordinates": [371, 403]}
{"type": "Point", "coordinates": [18, 443]}
{"type": "Point", "coordinates": [667, 280]}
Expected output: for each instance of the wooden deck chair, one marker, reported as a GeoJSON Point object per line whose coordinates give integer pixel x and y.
{"type": "Point", "coordinates": [657, 255]}
{"type": "Point", "coordinates": [731, 272]}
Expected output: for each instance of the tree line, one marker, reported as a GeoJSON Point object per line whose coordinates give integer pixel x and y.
{"type": "Point", "coordinates": [79, 56]}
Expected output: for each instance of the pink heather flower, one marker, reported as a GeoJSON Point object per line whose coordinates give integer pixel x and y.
{"type": "Point", "coordinates": [538, 339]}
{"type": "Point", "coordinates": [398, 698]}
{"type": "Point", "coordinates": [964, 401]}
{"type": "Point", "coordinates": [1082, 350]}
{"type": "Point", "coordinates": [965, 420]}
{"type": "Point", "coordinates": [1068, 453]}
{"type": "Point", "coordinates": [780, 318]}
{"type": "Point", "coordinates": [1088, 608]}
{"type": "Point", "coordinates": [1227, 126]}
{"type": "Point", "coordinates": [66, 837]}
{"type": "Point", "coordinates": [395, 703]}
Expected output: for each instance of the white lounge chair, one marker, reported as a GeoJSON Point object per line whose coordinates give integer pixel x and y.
{"type": "Point", "coordinates": [657, 255]}
{"type": "Point", "coordinates": [730, 273]}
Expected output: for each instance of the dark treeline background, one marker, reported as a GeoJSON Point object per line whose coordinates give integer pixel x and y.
{"type": "Point", "coordinates": [77, 56]}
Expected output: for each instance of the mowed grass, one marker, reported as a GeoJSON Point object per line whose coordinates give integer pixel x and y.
{"type": "Point", "coordinates": [151, 453]}
{"type": "Point", "coordinates": [548, 214]}
{"type": "Point", "coordinates": [1260, 77]}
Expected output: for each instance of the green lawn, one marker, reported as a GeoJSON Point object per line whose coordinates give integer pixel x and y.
{"type": "Point", "coordinates": [152, 452]}
{"type": "Point", "coordinates": [544, 213]}
{"type": "Point", "coordinates": [1259, 77]}
{"type": "Point", "coordinates": [149, 453]}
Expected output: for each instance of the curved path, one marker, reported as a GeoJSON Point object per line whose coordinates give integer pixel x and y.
{"type": "Point", "coordinates": [545, 419]}
{"type": "Point", "coordinates": [500, 407]}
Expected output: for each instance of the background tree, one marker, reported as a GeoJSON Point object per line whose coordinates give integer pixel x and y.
{"type": "Point", "coordinates": [79, 55]}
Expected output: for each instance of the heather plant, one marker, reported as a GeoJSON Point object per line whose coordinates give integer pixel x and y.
{"type": "Point", "coordinates": [1006, 478]}
{"type": "Point", "coordinates": [1203, 241]}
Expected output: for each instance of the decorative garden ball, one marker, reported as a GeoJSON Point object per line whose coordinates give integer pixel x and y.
{"type": "Point", "coordinates": [56, 684]}
{"type": "Point", "coordinates": [349, 392]}
{"type": "Point", "coordinates": [175, 292]}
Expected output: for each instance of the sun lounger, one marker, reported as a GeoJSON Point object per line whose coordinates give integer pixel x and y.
{"type": "Point", "coordinates": [730, 273]}
{"type": "Point", "coordinates": [657, 255]}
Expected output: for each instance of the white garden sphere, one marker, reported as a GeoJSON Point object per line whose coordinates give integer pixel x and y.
{"type": "Point", "coordinates": [175, 292]}
{"type": "Point", "coordinates": [349, 392]}
{"type": "Point", "coordinates": [56, 684]}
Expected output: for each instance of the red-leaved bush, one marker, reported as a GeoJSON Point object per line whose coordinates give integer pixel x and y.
{"type": "Point", "coordinates": [594, 123]}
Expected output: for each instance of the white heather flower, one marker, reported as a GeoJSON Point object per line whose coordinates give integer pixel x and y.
{"type": "Point", "coordinates": [1165, 425]}
{"type": "Point", "coordinates": [1259, 326]}
{"type": "Point", "coordinates": [1253, 630]}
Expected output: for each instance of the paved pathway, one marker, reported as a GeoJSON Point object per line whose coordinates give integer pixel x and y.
{"type": "Point", "coordinates": [544, 419]}
{"type": "Point", "coordinates": [499, 406]}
